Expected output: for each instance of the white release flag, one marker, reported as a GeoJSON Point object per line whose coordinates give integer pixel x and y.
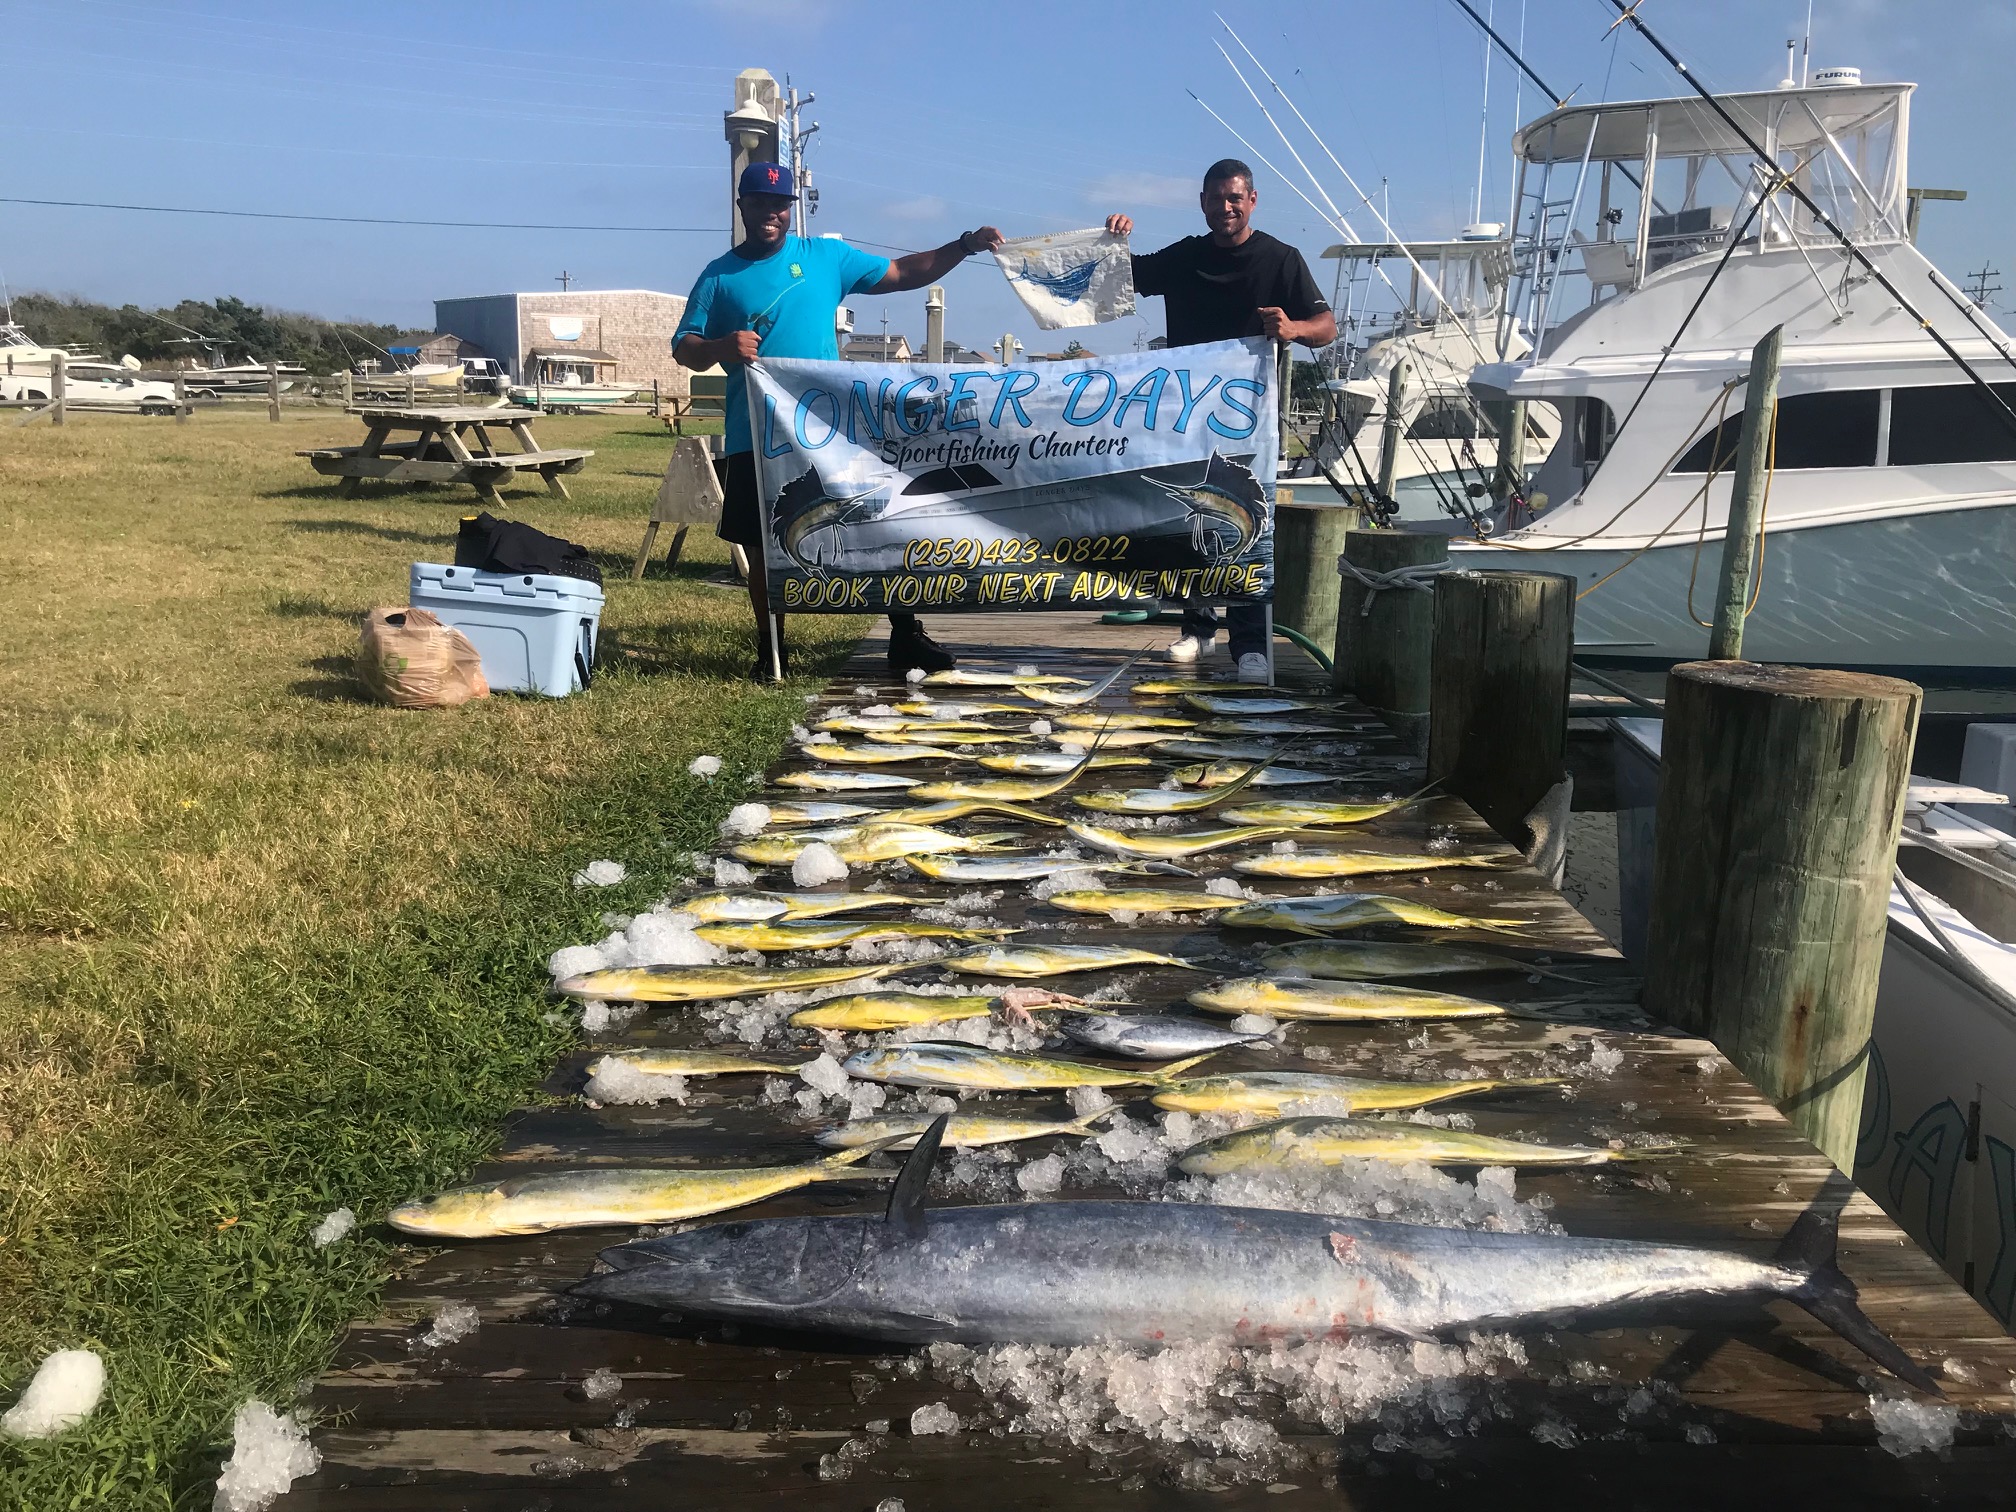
{"type": "Point", "coordinates": [1071, 278]}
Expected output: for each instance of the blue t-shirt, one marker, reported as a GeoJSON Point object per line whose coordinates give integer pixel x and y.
{"type": "Point", "coordinates": [788, 298]}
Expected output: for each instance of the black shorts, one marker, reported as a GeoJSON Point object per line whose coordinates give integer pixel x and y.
{"type": "Point", "coordinates": [740, 522]}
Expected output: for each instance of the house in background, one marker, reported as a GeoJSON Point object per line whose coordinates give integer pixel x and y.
{"type": "Point", "coordinates": [878, 349]}
{"type": "Point", "coordinates": [604, 335]}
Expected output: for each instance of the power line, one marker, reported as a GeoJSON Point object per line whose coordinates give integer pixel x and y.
{"type": "Point", "coordinates": [383, 220]}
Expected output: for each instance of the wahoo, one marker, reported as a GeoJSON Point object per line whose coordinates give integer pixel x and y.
{"type": "Point", "coordinates": [1153, 1273]}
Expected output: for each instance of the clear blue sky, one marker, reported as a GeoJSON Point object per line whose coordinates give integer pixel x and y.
{"type": "Point", "coordinates": [1035, 116]}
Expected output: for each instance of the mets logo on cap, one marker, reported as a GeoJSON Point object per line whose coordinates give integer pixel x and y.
{"type": "Point", "coordinates": [767, 178]}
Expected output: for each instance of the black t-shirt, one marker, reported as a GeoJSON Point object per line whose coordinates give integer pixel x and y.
{"type": "Point", "coordinates": [1213, 293]}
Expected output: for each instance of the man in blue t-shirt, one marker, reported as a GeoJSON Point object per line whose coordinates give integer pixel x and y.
{"type": "Point", "coordinates": [777, 295]}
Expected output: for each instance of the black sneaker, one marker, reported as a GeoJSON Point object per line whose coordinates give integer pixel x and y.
{"type": "Point", "coordinates": [913, 649]}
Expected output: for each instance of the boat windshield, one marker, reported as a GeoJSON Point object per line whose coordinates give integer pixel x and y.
{"type": "Point", "coordinates": [1610, 194]}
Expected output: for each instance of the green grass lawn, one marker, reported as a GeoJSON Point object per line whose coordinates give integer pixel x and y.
{"type": "Point", "coordinates": [266, 948]}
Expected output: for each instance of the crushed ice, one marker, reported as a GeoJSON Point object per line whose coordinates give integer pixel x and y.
{"type": "Point", "coordinates": [619, 1082]}
{"type": "Point", "coordinates": [64, 1391]}
{"type": "Point", "coordinates": [269, 1452]}
{"type": "Point", "coordinates": [601, 874]}
{"type": "Point", "coordinates": [336, 1225]}
{"type": "Point", "coordinates": [704, 766]}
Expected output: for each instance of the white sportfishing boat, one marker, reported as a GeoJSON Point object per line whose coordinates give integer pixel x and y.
{"type": "Point", "coordinates": [1450, 299]}
{"type": "Point", "coordinates": [1891, 517]}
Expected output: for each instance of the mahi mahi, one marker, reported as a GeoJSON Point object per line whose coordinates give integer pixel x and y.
{"type": "Point", "coordinates": [1256, 703]}
{"type": "Point", "coordinates": [1375, 960]}
{"type": "Point", "coordinates": [614, 1195]}
{"type": "Point", "coordinates": [1121, 719]}
{"type": "Point", "coordinates": [700, 984]}
{"type": "Point", "coordinates": [864, 724]}
{"type": "Point", "coordinates": [952, 1063]}
{"type": "Point", "coordinates": [969, 677]}
{"type": "Point", "coordinates": [1140, 900]}
{"type": "Point", "coordinates": [868, 844]}
{"type": "Point", "coordinates": [755, 907]}
{"type": "Point", "coordinates": [1331, 1141]}
{"type": "Point", "coordinates": [1164, 800]}
{"type": "Point", "coordinates": [1149, 1274]}
{"type": "Point", "coordinates": [1272, 1093]}
{"type": "Point", "coordinates": [1008, 789]}
{"type": "Point", "coordinates": [962, 808]}
{"type": "Point", "coordinates": [1316, 811]}
{"type": "Point", "coordinates": [1221, 773]}
{"type": "Point", "coordinates": [1323, 915]}
{"type": "Point", "coordinates": [1302, 998]}
{"type": "Point", "coordinates": [829, 934]}
{"type": "Point", "coordinates": [1012, 868]}
{"type": "Point", "coordinates": [1361, 863]}
{"type": "Point", "coordinates": [1057, 761]}
{"type": "Point", "coordinates": [1191, 843]}
{"type": "Point", "coordinates": [1031, 961]}
{"type": "Point", "coordinates": [871, 753]}
{"type": "Point", "coordinates": [873, 1012]}
{"type": "Point", "coordinates": [1075, 698]}
{"type": "Point", "coordinates": [821, 781]}
{"type": "Point", "coordinates": [925, 708]}
{"type": "Point", "coordinates": [964, 1131]}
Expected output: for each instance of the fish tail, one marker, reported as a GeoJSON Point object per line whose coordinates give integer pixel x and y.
{"type": "Point", "coordinates": [834, 1167]}
{"type": "Point", "coordinates": [1174, 1070]}
{"type": "Point", "coordinates": [1826, 1293]}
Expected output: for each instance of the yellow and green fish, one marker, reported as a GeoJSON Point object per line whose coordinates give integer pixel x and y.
{"type": "Point", "coordinates": [1057, 761]}
{"type": "Point", "coordinates": [1221, 773]}
{"type": "Point", "coordinates": [1163, 800]}
{"type": "Point", "coordinates": [963, 1131]}
{"type": "Point", "coordinates": [864, 724]}
{"type": "Point", "coordinates": [1140, 900]}
{"type": "Point", "coordinates": [945, 811]}
{"type": "Point", "coordinates": [1166, 844]}
{"type": "Point", "coordinates": [951, 1063]}
{"type": "Point", "coordinates": [1309, 812]}
{"type": "Point", "coordinates": [700, 984]}
{"type": "Point", "coordinates": [755, 907]}
{"type": "Point", "coordinates": [867, 844]}
{"type": "Point", "coordinates": [1123, 720]}
{"type": "Point", "coordinates": [1330, 1141]}
{"type": "Point", "coordinates": [1360, 863]}
{"type": "Point", "coordinates": [1271, 1093]}
{"type": "Point", "coordinates": [873, 1012]}
{"type": "Point", "coordinates": [817, 813]}
{"type": "Point", "coordinates": [829, 934]}
{"type": "Point", "coordinates": [1376, 961]}
{"type": "Point", "coordinates": [870, 753]}
{"type": "Point", "coordinates": [819, 780]}
{"type": "Point", "coordinates": [1032, 961]}
{"type": "Point", "coordinates": [1307, 998]}
{"type": "Point", "coordinates": [630, 1195]}
{"type": "Point", "coordinates": [1325, 915]}
{"type": "Point", "coordinates": [971, 677]}
{"type": "Point", "coordinates": [926, 709]}
{"type": "Point", "coordinates": [1005, 789]}
{"type": "Point", "coordinates": [1254, 703]}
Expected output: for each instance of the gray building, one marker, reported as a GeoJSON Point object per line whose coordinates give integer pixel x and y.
{"type": "Point", "coordinates": [605, 335]}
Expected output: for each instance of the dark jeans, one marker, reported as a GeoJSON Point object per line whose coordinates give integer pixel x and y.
{"type": "Point", "coordinates": [1245, 626]}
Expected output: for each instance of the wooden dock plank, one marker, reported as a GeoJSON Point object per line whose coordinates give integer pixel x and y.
{"type": "Point", "coordinates": [721, 1417]}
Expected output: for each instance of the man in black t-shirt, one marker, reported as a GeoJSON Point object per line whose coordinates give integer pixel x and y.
{"type": "Point", "coordinates": [1230, 283]}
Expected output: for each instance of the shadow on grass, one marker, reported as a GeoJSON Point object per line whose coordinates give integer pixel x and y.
{"type": "Point", "coordinates": [338, 683]}
{"type": "Point", "coordinates": [307, 606]}
{"type": "Point", "coordinates": [382, 532]}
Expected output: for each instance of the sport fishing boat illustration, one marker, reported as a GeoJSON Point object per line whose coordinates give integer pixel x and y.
{"type": "Point", "coordinates": [1175, 515]}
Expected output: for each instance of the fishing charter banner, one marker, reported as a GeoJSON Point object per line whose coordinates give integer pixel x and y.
{"type": "Point", "coordinates": [1104, 483]}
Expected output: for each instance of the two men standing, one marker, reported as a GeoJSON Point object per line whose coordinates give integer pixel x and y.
{"type": "Point", "coordinates": [777, 295]}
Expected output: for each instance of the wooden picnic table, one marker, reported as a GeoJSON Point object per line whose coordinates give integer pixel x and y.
{"type": "Point", "coordinates": [482, 445]}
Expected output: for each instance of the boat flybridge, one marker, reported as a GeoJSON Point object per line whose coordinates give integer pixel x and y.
{"type": "Point", "coordinates": [1445, 317]}
{"type": "Point", "coordinates": [1890, 534]}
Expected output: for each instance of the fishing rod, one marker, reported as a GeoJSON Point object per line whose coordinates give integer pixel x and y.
{"type": "Point", "coordinates": [1513, 53]}
{"type": "Point", "coordinates": [1789, 185]}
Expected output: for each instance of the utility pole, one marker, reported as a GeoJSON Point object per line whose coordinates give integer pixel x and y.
{"type": "Point", "coordinates": [885, 333]}
{"type": "Point", "coordinates": [1979, 288]}
{"type": "Point", "coordinates": [564, 279]}
{"type": "Point", "coordinates": [808, 197]}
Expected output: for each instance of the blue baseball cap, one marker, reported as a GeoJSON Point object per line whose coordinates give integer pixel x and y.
{"type": "Point", "coordinates": [767, 178]}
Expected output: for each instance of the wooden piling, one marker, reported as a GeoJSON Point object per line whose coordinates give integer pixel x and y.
{"type": "Point", "coordinates": [1386, 635]}
{"type": "Point", "coordinates": [59, 385]}
{"type": "Point", "coordinates": [181, 397]}
{"type": "Point", "coordinates": [1780, 797]}
{"type": "Point", "coordinates": [273, 391]}
{"type": "Point", "coordinates": [1498, 701]}
{"type": "Point", "coordinates": [1746, 499]}
{"type": "Point", "coordinates": [349, 389]}
{"type": "Point", "coordinates": [1307, 541]}
{"type": "Point", "coordinates": [1510, 476]}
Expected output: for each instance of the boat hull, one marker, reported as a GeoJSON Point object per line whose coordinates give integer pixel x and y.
{"type": "Point", "coordinates": [1928, 590]}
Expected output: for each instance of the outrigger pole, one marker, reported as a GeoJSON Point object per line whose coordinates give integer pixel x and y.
{"type": "Point", "coordinates": [1789, 185]}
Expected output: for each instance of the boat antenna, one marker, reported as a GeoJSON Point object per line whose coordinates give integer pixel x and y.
{"type": "Point", "coordinates": [1484, 119]}
{"type": "Point", "coordinates": [1513, 53]}
{"type": "Point", "coordinates": [1789, 184]}
{"type": "Point", "coordinates": [1806, 58]}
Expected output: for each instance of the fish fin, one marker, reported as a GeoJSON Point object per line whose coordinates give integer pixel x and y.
{"type": "Point", "coordinates": [1809, 1246]}
{"type": "Point", "coordinates": [834, 1167]}
{"type": "Point", "coordinates": [1086, 1121]}
{"type": "Point", "coordinates": [1175, 1069]}
{"type": "Point", "coordinates": [906, 1199]}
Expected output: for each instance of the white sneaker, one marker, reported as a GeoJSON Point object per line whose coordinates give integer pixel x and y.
{"type": "Point", "coordinates": [1190, 648]}
{"type": "Point", "coordinates": [1253, 668]}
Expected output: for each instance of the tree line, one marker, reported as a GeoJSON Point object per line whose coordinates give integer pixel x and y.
{"type": "Point", "coordinates": [238, 330]}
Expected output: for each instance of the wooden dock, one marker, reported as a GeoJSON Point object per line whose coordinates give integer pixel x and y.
{"type": "Point", "coordinates": [1764, 1409]}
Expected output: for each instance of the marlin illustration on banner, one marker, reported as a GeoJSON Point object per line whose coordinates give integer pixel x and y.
{"type": "Point", "coordinates": [1069, 285]}
{"type": "Point", "coordinates": [1227, 509]}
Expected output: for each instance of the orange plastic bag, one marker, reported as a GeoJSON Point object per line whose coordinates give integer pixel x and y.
{"type": "Point", "coordinates": [411, 660]}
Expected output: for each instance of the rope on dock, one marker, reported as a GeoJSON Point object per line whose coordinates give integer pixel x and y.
{"type": "Point", "coordinates": [1420, 578]}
